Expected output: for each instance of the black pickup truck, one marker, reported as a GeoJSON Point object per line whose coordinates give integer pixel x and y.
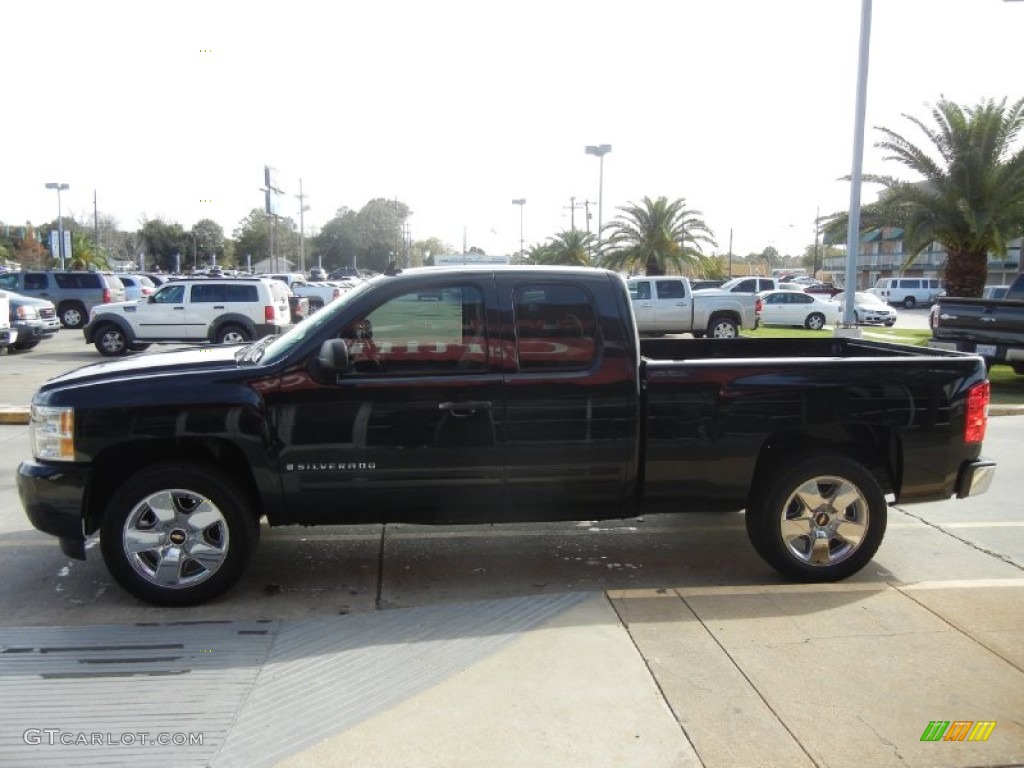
{"type": "Point", "coordinates": [991, 328]}
{"type": "Point", "coordinates": [491, 395]}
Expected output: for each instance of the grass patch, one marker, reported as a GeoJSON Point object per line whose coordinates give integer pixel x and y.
{"type": "Point", "coordinates": [1007, 386]}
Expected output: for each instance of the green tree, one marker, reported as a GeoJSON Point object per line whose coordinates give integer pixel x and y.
{"type": "Point", "coordinates": [969, 196]}
{"type": "Point", "coordinates": [209, 240]}
{"type": "Point", "coordinates": [658, 235]}
{"type": "Point", "coordinates": [424, 251]}
{"type": "Point", "coordinates": [380, 224]}
{"type": "Point", "coordinates": [164, 243]}
{"type": "Point", "coordinates": [254, 234]}
{"type": "Point", "coordinates": [337, 245]}
{"type": "Point", "coordinates": [570, 247]}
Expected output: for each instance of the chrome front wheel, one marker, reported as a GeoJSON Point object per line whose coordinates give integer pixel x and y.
{"type": "Point", "coordinates": [178, 534]}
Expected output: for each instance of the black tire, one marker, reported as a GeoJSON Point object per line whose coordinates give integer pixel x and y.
{"type": "Point", "coordinates": [150, 538]}
{"type": "Point", "coordinates": [909, 302]}
{"type": "Point", "coordinates": [815, 321]}
{"type": "Point", "coordinates": [139, 347]}
{"type": "Point", "coordinates": [803, 497]}
{"type": "Point", "coordinates": [72, 315]}
{"type": "Point", "coordinates": [856, 318]}
{"type": "Point", "coordinates": [232, 334]}
{"type": "Point", "coordinates": [722, 328]}
{"type": "Point", "coordinates": [110, 340]}
{"type": "Point", "coordinates": [26, 346]}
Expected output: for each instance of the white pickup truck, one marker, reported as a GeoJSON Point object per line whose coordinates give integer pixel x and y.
{"type": "Point", "coordinates": [320, 293]}
{"type": "Point", "coordinates": [668, 304]}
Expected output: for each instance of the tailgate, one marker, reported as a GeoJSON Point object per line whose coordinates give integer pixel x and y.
{"type": "Point", "coordinates": [980, 321]}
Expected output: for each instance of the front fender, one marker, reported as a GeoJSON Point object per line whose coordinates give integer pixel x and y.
{"type": "Point", "coordinates": [102, 319]}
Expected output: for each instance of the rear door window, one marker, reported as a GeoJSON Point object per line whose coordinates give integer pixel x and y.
{"type": "Point", "coordinates": [36, 281]}
{"type": "Point", "coordinates": [556, 327]}
{"type": "Point", "coordinates": [671, 289]}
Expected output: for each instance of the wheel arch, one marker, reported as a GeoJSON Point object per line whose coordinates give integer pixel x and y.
{"type": "Point", "coordinates": [110, 318]}
{"type": "Point", "coordinates": [231, 319]}
{"type": "Point", "coordinates": [876, 448]}
{"type": "Point", "coordinates": [113, 466]}
{"type": "Point", "coordinates": [725, 314]}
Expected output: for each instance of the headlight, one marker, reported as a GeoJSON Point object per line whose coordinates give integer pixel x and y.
{"type": "Point", "coordinates": [52, 433]}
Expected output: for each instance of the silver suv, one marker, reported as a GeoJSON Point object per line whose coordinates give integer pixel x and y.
{"type": "Point", "coordinates": [73, 293]}
{"type": "Point", "coordinates": [224, 311]}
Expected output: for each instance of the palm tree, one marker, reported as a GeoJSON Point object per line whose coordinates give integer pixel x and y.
{"type": "Point", "coordinates": [658, 235]}
{"type": "Point", "coordinates": [970, 198]}
{"type": "Point", "coordinates": [85, 255]}
{"type": "Point", "coordinates": [569, 247]}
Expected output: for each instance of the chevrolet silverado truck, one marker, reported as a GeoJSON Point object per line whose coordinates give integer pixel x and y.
{"type": "Point", "coordinates": [668, 304]}
{"type": "Point", "coordinates": [990, 328]}
{"type": "Point", "coordinates": [521, 394]}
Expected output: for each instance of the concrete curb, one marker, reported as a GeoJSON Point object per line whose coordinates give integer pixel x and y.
{"type": "Point", "coordinates": [14, 414]}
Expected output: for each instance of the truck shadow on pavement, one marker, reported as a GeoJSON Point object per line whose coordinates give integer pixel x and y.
{"type": "Point", "coordinates": [331, 571]}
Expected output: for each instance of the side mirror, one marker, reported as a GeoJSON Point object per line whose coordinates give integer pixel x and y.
{"type": "Point", "coordinates": [333, 356]}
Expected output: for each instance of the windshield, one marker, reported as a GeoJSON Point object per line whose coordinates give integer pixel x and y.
{"type": "Point", "coordinates": [281, 346]}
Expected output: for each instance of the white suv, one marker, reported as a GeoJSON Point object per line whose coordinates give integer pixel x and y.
{"type": "Point", "coordinates": [224, 310]}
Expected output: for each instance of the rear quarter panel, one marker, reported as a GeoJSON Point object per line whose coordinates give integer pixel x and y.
{"type": "Point", "coordinates": [720, 412]}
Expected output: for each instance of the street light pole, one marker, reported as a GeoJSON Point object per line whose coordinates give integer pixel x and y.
{"type": "Point", "coordinates": [600, 150]}
{"type": "Point", "coordinates": [60, 218]}
{"type": "Point", "coordinates": [520, 202]}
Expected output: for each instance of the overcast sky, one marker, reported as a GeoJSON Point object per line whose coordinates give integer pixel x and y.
{"type": "Point", "coordinates": [743, 107]}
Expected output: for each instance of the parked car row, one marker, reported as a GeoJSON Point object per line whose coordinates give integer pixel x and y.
{"type": "Point", "coordinates": [807, 310]}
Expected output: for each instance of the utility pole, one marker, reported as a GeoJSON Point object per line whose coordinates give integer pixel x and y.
{"type": "Point", "coordinates": [95, 223]}
{"type": "Point", "coordinates": [730, 253]}
{"type": "Point", "coordinates": [302, 229]}
{"type": "Point", "coordinates": [586, 206]}
{"type": "Point", "coordinates": [573, 205]}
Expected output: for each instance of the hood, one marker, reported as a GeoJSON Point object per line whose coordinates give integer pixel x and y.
{"type": "Point", "coordinates": [209, 358]}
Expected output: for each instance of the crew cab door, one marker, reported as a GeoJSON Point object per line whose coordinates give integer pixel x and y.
{"type": "Point", "coordinates": [570, 423]}
{"type": "Point", "coordinates": [408, 433]}
{"type": "Point", "coordinates": [674, 307]}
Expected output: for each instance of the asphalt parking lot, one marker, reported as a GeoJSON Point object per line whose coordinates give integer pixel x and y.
{"type": "Point", "coordinates": [662, 640]}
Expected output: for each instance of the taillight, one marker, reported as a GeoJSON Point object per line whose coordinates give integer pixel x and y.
{"type": "Point", "coordinates": [977, 413]}
{"type": "Point", "coordinates": [269, 314]}
{"type": "Point", "coordinates": [758, 305]}
{"type": "Point", "coordinates": [106, 295]}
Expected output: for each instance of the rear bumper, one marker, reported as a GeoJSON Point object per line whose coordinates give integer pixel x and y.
{"type": "Point", "coordinates": [975, 478]}
{"type": "Point", "coordinates": [269, 329]}
{"type": "Point", "coordinates": [53, 497]}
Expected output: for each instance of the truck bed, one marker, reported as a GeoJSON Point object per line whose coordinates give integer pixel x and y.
{"type": "Point", "coordinates": [715, 408]}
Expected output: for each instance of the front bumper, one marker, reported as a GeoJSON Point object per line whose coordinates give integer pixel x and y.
{"type": "Point", "coordinates": [975, 478]}
{"type": "Point", "coordinates": [53, 496]}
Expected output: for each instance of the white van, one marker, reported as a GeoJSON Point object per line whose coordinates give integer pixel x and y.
{"type": "Point", "coordinates": [908, 291]}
